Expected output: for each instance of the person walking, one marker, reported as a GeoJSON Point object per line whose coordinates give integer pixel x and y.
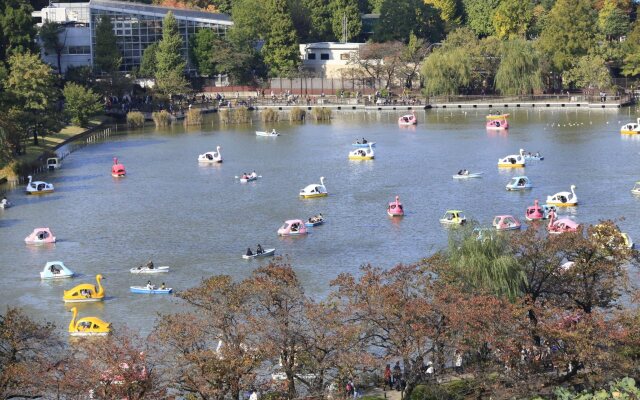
{"type": "Point", "coordinates": [457, 362]}
{"type": "Point", "coordinates": [387, 378]}
{"type": "Point", "coordinates": [397, 375]}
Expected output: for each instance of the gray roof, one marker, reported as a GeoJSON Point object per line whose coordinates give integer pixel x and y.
{"type": "Point", "coordinates": [147, 9]}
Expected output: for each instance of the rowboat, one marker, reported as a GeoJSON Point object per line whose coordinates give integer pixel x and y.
{"type": "Point", "coordinates": [468, 176]}
{"type": "Point", "coordinates": [363, 145]}
{"type": "Point", "coordinates": [273, 133]}
{"type": "Point", "coordinates": [315, 221]}
{"type": "Point", "coordinates": [146, 290]}
{"type": "Point", "coordinates": [266, 253]}
{"type": "Point", "coordinates": [146, 270]}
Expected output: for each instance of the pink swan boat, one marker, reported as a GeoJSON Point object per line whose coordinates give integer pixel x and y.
{"type": "Point", "coordinates": [409, 119]}
{"type": "Point", "coordinates": [117, 169]}
{"type": "Point", "coordinates": [395, 208]}
{"type": "Point", "coordinates": [40, 236]}
{"type": "Point", "coordinates": [506, 223]}
{"type": "Point", "coordinates": [498, 124]}
{"type": "Point", "coordinates": [292, 227]}
{"type": "Point", "coordinates": [562, 225]}
{"type": "Point", "coordinates": [534, 212]}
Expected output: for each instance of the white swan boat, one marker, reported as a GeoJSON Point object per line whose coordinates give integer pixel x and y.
{"type": "Point", "coordinates": [38, 187]}
{"type": "Point", "coordinates": [265, 253]}
{"type": "Point", "coordinates": [211, 157]}
{"type": "Point", "coordinates": [564, 199]}
{"type": "Point", "coordinates": [636, 188]}
{"type": "Point", "coordinates": [362, 153]}
{"type": "Point", "coordinates": [632, 128]}
{"type": "Point", "coordinates": [314, 190]}
{"type": "Point", "coordinates": [147, 270]}
{"type": "Point", "coordinates": [512, 161]}
{"type": "Point", "coordinates": [273, 133]}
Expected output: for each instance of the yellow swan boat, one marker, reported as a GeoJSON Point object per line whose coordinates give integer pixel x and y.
{"type": "Point", "coordinates": [87, 326]}
{"type": "Point", "coordinates": [85, 292]}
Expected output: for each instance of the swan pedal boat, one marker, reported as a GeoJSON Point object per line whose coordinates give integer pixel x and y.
{"type": "Point", "coordinates": [519, 183]}
{"type": "Point", "coordinates": [88, 326]}
{"type": "Point", "coordinates": [497, 124]}
{"type": "Point", "coordinates": [85, 292]}
{"type": "Point", "coordinates": [497, 116]}
{"type": "Point", "coordinates": [395, 209]}
{"type": "Point", "coordinates": [40, 236]}
{"type": "Point", "coordinates": [314, 190]}
{"type": "Point", "coordinates": [265, 253]}
{"type": "Point", "coordinates": [561, 225]}
{"type": "Point", "coordinates": [38, 187]}
{"type": "Point", "coordinates": [468, 176]}
{"type": "Point", "coordinates": [292, 227]}
{"type": "Point", "coordinates": [636, 188]}
{"type": "Point", "coordinates": [56, 270]}
{"type": "Point", "coordinates": [564, 199]}
{"type": "Point", "coordinates": [146, 270]}
{"type": "Point", "coordinates": [117, 169]}
{"type": "Point", "coordinates": [211, 157]}
{"type": "Point", "coordinates": [364, 145]}
{"type": "Point", "coordinates": [409, 119]}
{"type": "Point", "coordinates": [146, 290]}
{"type": "Point", "coordinates": [632, 128]}
{"type": "Point", "coordinates": [512, 161]}
{"type": "Point", "coordinates": [273, 133]}
{"type": "Point", "coordinates": [506, 223]}
{"type": "Point", "coordinates": [362, 154]}
{"type": "Point", "coordinates": [453, 217]}
{"type": "Point", "coordinates": [534, 212]}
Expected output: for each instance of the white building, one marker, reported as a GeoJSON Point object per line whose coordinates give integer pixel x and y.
{"type": "Point", "coordinates": [328, 59]}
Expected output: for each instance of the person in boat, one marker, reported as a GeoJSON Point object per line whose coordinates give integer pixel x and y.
{"type": "Point", "coordinates": [461, 172]}
{"type": "Point", "coordinates": [149, 285]}
{"type": "Point", "coordinates": [249, 252]}
{"type": "Point", "coordinates": [537, 154]}
{"type": "Point", "coordinates": [364, 141]}
{"type": "Point", "coordinates": [149, 264]}
{"type": "Point", "coordinates": [259, 249]}
{"type": "Point", "coordinates": [163, 286]}
{"type": "Point", "coordinates": [465, 172]}
{"type": "Point", "coordinates": [4, 202]}
{"type": "Point", "coordinates": [273, 132]}
{"type": "Point", "coordinates": [319, 217]}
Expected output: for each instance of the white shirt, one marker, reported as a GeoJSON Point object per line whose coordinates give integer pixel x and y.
{"type": "Point", "coordinates": [254, 396]}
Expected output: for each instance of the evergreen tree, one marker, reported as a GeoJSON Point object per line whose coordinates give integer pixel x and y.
{"type": "Point", "coordinates": [519, 71]}
{"type": "Point", "coordinates": [107, 55]}
{"type": "Point", "coordinates": [320, 18]}
{"type": "Point", "coordinates": [399, 19]}
{"type": "Point", "coordinates": [170, 62]}
{"type": "Point", "coordinates": [280, 51]}
{"type": "Point", "coordinates": [148, 62]}
{"type": "Point", "coordinates": [17, 30]}
{"type": "Point", "coordinates": [50, 36]}
{"type": "Point", "coordinates": [201, 51]}
{"type": "Point", "coordinates": [349, 9]}
{"type": "Point", "coordinates": [569, 32]}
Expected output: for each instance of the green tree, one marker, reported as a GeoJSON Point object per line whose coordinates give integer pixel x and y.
{"type": "Point", "coordinates": [31, 84]}
{"type": "Point", "coordinates": [250, 23]}
{"type": "Point", "coordinates": [631, 46]}
{"type": "Point", "coordinates": [17, 30]}
{"type": "Point", "coordinates": [280, 51]}
{"type": "Point", "coordinates": [202, 50]}
{"type": "Point", "coordinates": [107, 57]}
{"type": "Point", "coordinates": [399, 19]}
{"type": "Point", "coordinates": [446, 71]}
{"type": "Point", "coordinates": [512, 18]}
{"type": "Point", "coordinates": [589, 72]}
{"type": "Point", "coordinates": [148, 62]}
{"type": "Point", "coordinates": [479, 15]}
{"type": "Point", "coordinates": [80, 103]}
{"type": "Point", "coordinates": [349, 9]}
{"type": "Point", "coordinates": [519, 71]}
{"type": "Point", "coordinates": [449, 9]}
{"type": "Point", "coordinates": [320, 18]}
{"type": "Point", "coordinates": [612, 21]}
{"type": "Point", "coordinates": [170, 63]}
{"type": "Point", "coordinates": [569, 32]}
{"type": "Point", "coordinates": [50, 36]}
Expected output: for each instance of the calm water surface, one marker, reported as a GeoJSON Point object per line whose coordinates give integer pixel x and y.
{"type": "Point", "coordinates": [199, 219]}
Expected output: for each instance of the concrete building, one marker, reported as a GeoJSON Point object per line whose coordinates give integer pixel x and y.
{"type": "Point", "coordinates": [328, 59]}
{"type": "Point", "coordinates": [136, 26]}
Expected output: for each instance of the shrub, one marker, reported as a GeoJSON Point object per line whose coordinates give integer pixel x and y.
{"type": "Point", "coordinates": [321, 114]}
{"type": "Point", "coordinates": [193, 117]}
{"type": "Point", "coordinates": [135, 119]}
{"type": "Point", "coordinates": [270, 115]}
{"type": "Point", "coordinates": [457, 389]}
{"type": "Point", "coordinates": [297, 114]}
{"type": "Point", "coordinates": [240, 115]}
{"type": "Point", "coordinates": [162, 118]}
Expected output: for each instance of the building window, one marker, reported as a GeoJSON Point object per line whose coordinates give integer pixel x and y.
{"type": "Point", "coordinates": [324, 56]}
{"type": "Point", "coordinates": [79, 50]}
{"type": "Point", "coordinates": [311, 56]}
{"type": "Point", "coordinates": [345, 56]}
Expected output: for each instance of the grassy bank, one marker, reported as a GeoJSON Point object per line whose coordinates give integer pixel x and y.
{"type": "Point", "coordinates": [46, 145]}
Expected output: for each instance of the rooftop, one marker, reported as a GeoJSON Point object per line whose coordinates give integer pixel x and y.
{"type": "Point", "coordinates": [159, 11]}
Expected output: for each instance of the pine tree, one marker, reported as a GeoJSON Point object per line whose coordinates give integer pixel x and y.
{"type": "Point", "coordinates": [281, 52]}
{"type": "Point", "coordinates": [107, 55]}
{"type": "Point", "coordinates": [349, 9]}
{"type": "Point", "coordinates": [170, 62]}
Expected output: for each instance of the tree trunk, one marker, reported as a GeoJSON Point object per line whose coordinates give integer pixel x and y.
{"type": "Point", "coordinates": [60, 62]}
{"type": "Point", "coordinates": [35, 138]}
